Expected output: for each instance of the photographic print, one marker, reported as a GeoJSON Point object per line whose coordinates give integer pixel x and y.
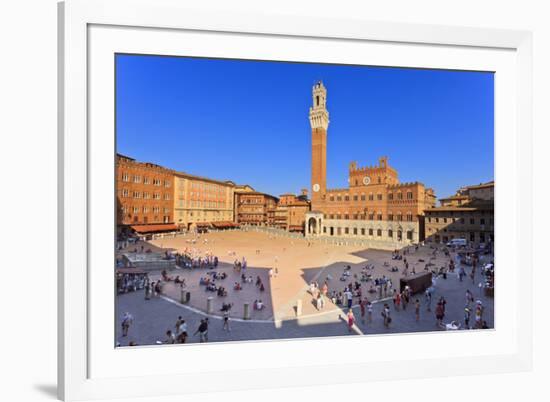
{"type": "Point", "coordinates": [261, 200]}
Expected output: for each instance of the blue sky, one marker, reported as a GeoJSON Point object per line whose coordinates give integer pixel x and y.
{"type": "Point", "coordinates": [247, 121]}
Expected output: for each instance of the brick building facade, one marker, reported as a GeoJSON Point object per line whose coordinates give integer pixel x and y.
{"type": "Point", "coordinates": [291, 210]}
{"type": "Point", "coordinates": [375, 207]}
{"type": "Point", "coordinates": [255, 208]}
{"type": "Point", "coordinates": [144, 195]}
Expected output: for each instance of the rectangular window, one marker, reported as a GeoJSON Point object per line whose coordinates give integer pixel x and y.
{"type": "Point", "coordinates": [338, 198]}
{"type": "Point", "coordinates": [370, 232]}
{"type": "Point", "coordinates": [399, 196]}
{"type": "Point", "coordinates": [390, 233]}
{"type": "Point", "coordinates": [346, 216]}
{"type": "Point", "coordinates": [379, 232]}
{"type": "Point", "coordinates": [482, 221]}
{"type": "Point", "coordinates": [355, 216]}
{"type": "Point", "coordinates": [362, 231]}
{"type": "Point", "coordinates": [379, 217]}
{"type": "Point", "coordinates": [332, 198]}
{"type": "Point", "coordinates": [472, 221]}
{"type": "Point", "coordinates": [354, 231]}
{"type": "Point", "coordinates": [409, 235]}
{"type": "Point", "coordinates": [346, 198]}
{"type": "Point", "coordinates": [363, 197]}
{"type": "Point", "coordinates": [472, 236]}
{"type": "Point", "coordinates": [390, 217]}
{"type": "Point", "coordinates": [371, 197]}
{"type": "Point", "coordinates": [390, 196]}
{"type": "Point", "coordinates": [444, 220]}
{"type": "Point", "coordinates": [409, 195]}
{"type": "Point", "coordinates": [346, 230]}
{"type": "Point", "coordinates": [137, 179]}
{"type": "Point", "coordinates": [379, 197]}
{"type": "Point", "coordinates": [355, 198]}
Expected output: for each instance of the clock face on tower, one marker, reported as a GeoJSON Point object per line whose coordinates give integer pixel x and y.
{"type": "Point", "coordinates": [366, 180]}
{"type": "Point", "coordinates": [316, 187]}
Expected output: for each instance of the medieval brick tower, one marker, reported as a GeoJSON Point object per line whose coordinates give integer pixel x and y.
{"type": "Point", "coordinates": [318, 118]}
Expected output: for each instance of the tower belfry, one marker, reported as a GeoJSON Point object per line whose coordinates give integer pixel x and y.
{"type": "Point", "coordinates": [319, 120]}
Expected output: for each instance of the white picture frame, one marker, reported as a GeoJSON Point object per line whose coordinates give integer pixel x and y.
{"type": "Point", "coordinates": [90, 31]}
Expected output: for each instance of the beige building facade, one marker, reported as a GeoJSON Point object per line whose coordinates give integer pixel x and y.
{"type": "Point", "coordinates": [469, 215]}
{"type": "Point", "coordinates": [202, 201]}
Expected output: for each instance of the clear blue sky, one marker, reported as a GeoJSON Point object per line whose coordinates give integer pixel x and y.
{"type": "Point", "coordinates": [247, 121]}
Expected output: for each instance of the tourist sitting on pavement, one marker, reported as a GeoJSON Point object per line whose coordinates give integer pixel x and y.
{"type": "Point", "coordinates": [262, 288]}
{"type": "Point", "coordinates": [170, 337]}
{"type": "Point", "coordinates": [211, 287]}
{"type": "Point", "coordinates": [222, 292]}
{"type": "Point", "coordinates": [249, 279]}
{"type": "Point", "coordinates": [372, 289]}
{"type": "Point", "coordinates": [165, 276]}
{"type": "Point", "coordinates": [237, 286]}
{"type": "Point", "coordinates": [258, 305]}
{"type": "Point", "coordinates": [226, 306]}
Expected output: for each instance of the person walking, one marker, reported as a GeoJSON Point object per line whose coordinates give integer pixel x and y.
{"type": "Point", "coordinates": [417, 310]}
{"type": "Point", "coordinates": [202, 330]}
{"type": "Point", "coordinates": [363, 306]}
{"type": "Point", "coordinates": [467, 316]}
{"type": "Point", "coordinates": [369, 312]}
{"type": "Point", "coordinates": [386, 314]}
{"type": "Point", "coordinates": [404, 299]}
{"type": "Point", "coordinates": [349, 298]}
{"type": "Point", "coordinates": [439, 314]}
{"type": "Point", "coordinates": [226, 326]}
{"type": "Point", "coordinates": [127, 320]}
{"type": "Point", "coordinates": [351, 320]}
{"type": "Point", "coordinates": [428, 298]}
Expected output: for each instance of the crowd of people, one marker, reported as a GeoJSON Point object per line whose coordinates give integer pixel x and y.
{"type": "Point", "coordinates": [360, 289]}
{"type": "Point", "coordinates": [193, 258]}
